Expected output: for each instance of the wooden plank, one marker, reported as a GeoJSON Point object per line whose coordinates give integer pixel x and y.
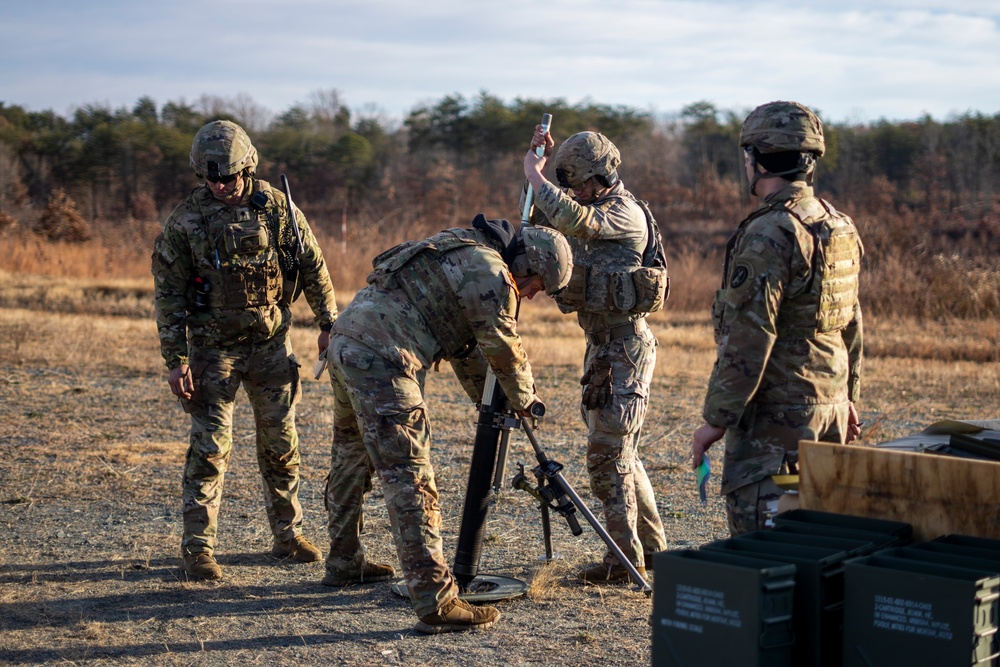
{"type": "Point", "coordinates": [936, 494]}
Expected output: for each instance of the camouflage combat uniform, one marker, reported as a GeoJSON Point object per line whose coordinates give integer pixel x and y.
{"type": "Point", "coordinates": [788, 334]}
{"type": "Point", "coordinates": [448, 297]}
{"type": "Point", "coordinates": [608, 238]}
{"type": "Point", "coordinates": [222, 307]}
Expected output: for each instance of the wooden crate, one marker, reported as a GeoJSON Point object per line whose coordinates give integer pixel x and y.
{"type": "Point", "coordinates": [936, 494]}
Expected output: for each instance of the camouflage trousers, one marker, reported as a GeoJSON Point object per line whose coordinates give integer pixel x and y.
{"type": "Point", "coordinates": [766, 440]}
{"type": "Point", "coordinates": [270, 374]}
{"type": "Point", "coordinates": [381, 424]}
{"type": "Point", "coordinates": [617, 476]}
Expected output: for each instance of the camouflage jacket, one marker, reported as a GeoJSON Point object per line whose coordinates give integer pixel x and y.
{"type": "Point", "coordinates": [223, 274]}
{"type": "Point", "coordinates": [470, 288]}
{"type": "Point", "coordinates": [607, 236]}
{"type": "Point", "coordinates": [769, 347]}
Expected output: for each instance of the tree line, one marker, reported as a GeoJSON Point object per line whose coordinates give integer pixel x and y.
{"type": "Point", "coordinates": [134, 162]}
{"type": "Point", "coordinates": [921, 188]}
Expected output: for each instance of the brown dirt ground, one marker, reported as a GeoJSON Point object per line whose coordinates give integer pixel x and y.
{"type": "Point", "coordinates": [91, 448]}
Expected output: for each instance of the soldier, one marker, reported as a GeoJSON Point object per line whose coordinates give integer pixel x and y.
{"type": "Point", "coordinates": [613, 288]}
{"type": "Point", "coordinates": [452, 296]}
{"type": "Point", "coordinates": [787, 319]}
{"type": "Point", "coordinates": [227, 267]}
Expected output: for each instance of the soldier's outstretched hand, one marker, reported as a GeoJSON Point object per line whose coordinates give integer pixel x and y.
{"type": "Point", "coordinates": [706, 436]}
{"type": "Point", "coordinates": [181, 381]}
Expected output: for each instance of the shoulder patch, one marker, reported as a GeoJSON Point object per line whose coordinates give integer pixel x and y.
{"type": "Point", "coordinates": [743, 281]}
{"type": "Point", "coordinates": [742, 271]}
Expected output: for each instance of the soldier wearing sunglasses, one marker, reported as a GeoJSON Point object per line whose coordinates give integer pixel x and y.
{"type": "Point", "coordinates": [227, 267]}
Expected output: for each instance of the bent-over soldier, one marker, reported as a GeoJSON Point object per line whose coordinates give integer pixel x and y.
{"type": "Point", "coordinates": [452, 297]}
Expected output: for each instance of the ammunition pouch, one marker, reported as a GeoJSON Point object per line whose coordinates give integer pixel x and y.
{"type": "Point", "coordinates": [251, 281]}
{"type": "Point", "coordinates": [247, 272]}
{"type": "Point", "coordinates": [621, 292]}
{"type": "Point", "coordinates": [652, 288]}
{"type": "Point", "coordinates": [291, 288]}
{"type": "Point", "coordinates": [245, 238]}
{"type": "Point", "coordinates": [633, 291]}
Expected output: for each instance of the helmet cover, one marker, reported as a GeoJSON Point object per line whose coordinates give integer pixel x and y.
{"type": "Point", "coordinates": [585, 155]}
{"type": "Point", "coordinates": [222, 148]}
{"type": "Point", "coordinates": [778, 127]}
{"type": "Point", "coordinates": [544, 252]}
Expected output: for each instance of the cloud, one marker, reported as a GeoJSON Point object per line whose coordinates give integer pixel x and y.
{"type": "Point", "coordinates": [880, 58]}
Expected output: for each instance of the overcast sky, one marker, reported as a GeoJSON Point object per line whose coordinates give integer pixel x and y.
{"type": "Point", "coordinates": [852, 60]}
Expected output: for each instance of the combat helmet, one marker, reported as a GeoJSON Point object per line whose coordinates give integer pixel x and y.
{"type": "Point", "coordinates": [787, 128]}
{"type": "Point", "coordinates": [778, 127]}
{"type": "Point", "coordinates": [222, 148]}
{"type": "Point", "coordinates": [545, 252]}
{"type": "Point", "coordinates": [587, 155]}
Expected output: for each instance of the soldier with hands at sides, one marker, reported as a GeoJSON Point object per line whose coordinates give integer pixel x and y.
{"type": "Point", "coordinates": [787, 319]}
{"type": "Point", "coordinates": [453, 296]}
{"type": "Point", "coordinates": [227, 267]}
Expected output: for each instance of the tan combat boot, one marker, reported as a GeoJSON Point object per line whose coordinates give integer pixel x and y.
{"type": "Point", "coordinates": [202, 565]}
{"type": "Point", "coordinates": [298, 548]}
{"type": "Point", "coordinates": [456, 616]}
{"type": "Point", "coordinates": [370, 572]}
{"type": "Point", "coordinates": [602, 573]}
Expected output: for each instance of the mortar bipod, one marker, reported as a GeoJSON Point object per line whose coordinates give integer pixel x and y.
{"type": "Point", "coordinates": [556, 493]}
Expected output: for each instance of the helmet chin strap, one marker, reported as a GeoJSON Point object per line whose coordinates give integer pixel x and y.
{"type": "Point", "coordinates": [756, 174]}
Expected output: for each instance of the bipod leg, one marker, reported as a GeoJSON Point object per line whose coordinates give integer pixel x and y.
{"type": "Point", "coordinates": [546, 523]}
{"type": "Point", "coordinates": [542, 493]}
{"type": "Point", "coordinates": [557, 479]}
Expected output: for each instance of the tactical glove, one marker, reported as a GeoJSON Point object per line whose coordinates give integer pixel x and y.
{"type": "Point", "coordinates": [597, 385]}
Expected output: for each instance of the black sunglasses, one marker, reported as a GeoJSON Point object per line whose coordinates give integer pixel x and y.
{"type": "Point", "coordinates": [221, 179]}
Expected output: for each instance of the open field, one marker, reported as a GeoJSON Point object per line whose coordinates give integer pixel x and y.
{"type": "Point", "coordinates": [92, 444]}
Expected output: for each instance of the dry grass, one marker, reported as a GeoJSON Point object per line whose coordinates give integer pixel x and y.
{"type": "Point", "coordinates": [115, 252]}
{"type": "Point", "coordinates": [905, 274]}
{"type": "Point", "coordinates": [92, 446]}
{"type": "Point", "coordinates": [942, 340]}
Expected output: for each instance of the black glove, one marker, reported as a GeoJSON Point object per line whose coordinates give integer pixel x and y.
{"type": "Point", "coordinates": [597, 385]}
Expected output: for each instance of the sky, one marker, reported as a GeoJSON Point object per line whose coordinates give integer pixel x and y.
{"type": "Point", "coordinates": [852, 60]}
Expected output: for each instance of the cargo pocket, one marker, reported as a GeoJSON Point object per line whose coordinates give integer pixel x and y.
{"type": "Point", "coordinates": [403, 436]}
{"type": "Point", "coordinates": [623, 415]}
